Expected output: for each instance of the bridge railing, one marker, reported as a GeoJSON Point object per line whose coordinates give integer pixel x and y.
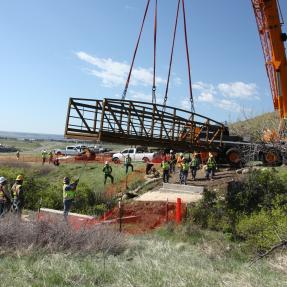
{"type": "Point", "coordinates": [142, 123]}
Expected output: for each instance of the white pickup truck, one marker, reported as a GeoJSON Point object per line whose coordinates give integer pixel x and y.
{"type": "Point", "coordinates": [136, 154]}
{"type": "Point", "coordinates": [70, 150]}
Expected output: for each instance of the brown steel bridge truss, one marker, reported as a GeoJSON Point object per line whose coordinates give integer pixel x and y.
{"type": "Point", "coordinates": [141, 123]}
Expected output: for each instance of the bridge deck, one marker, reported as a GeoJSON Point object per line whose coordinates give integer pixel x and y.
{"type": "Point", "coordinates": [140, 123]}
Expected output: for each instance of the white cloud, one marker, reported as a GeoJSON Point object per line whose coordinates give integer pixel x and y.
{"type": "Point", "coordinates": [142, 96]}
{"type": "Point", "coordinates": [204, 87]}
{"type": "Point", "coordinates": [206, 97]}
{"type": "Point", "coordinates": [228, 105]}
{"type": "Point", "coordinates": [238, 90]}
{"type": "Point", "coordinates": [113, 73]}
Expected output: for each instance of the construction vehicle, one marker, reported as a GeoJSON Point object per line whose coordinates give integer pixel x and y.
{"type": "Point", "coordinates": [155, 125]}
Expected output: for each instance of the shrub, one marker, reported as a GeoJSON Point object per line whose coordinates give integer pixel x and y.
{"type": "Point", "coordinates": [251, 209]}
{"type": "Point", "coordinates": [263, 229]}
{"type": "Point", "coordinates": [58, 236]}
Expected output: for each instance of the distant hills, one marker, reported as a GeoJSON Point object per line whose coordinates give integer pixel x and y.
{"type": "Point", "coordinates": [254, 127]}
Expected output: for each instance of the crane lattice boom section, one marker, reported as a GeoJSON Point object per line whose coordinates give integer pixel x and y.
{"type": "Point", "coordinates": [141, 123]}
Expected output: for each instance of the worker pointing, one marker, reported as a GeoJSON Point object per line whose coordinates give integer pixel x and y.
{"type": "Point", "coordinates": [69, 194]}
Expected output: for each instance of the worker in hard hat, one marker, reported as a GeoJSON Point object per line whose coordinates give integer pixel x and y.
{"type": "Point", "coordinates": [4, 196]}
{"type": "Point", "coordinates": [210, 167]}
{"type": "Point", "coordinates": [194, 165]}
{"type": "Point", "coordinates": [128, 163]}
{"type": "Point", "coordinates": [172, 161]}
{"type": "Point", "coordinates": [184, 171]}
{"type": "Point", "coordinates": [165, 170]}
{"type": "Point", "coordinates": [50, 156]}
{"type": "Point", "coordinates": [17, 194]}
{"type": "Point", "coordinates": [44, 156]}
{"type": "Point", "coordinates": [179, 160]}
{"type": "Point", "coordinates": [69, 194]}
{"type": "Point", "coordinates": [107, 170]}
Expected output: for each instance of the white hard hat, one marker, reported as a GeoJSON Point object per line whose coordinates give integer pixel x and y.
{"type": "Point", "coordinates": [171, 151]}
{"type": "Point", "coordinates": [2, 179]}
{"type": "Point", "coordinates": [106, 162]}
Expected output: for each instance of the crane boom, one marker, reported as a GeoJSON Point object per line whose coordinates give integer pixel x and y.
{"type": "Point", "coordinates": [272, 40]}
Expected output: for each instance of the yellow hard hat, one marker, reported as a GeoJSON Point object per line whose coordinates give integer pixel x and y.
{"type": "Point", "coordinates": [210, 154]}
{"type": "Point", "coordinates": [20, 177]}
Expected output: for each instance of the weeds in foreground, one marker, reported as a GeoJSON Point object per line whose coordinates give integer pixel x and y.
{"type": "Point", "coordinates": [58, 237]}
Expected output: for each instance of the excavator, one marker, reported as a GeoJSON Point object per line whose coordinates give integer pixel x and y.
{"type": "Point", "coordinates": [153, 124]}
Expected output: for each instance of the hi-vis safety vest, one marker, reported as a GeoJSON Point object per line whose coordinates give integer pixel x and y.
{"type": "Point", "coordinates": [107, 169]}
{"type": "Point", "coordinates": [165, 166]}
{"type": "Point", "coordinates": [211, 163]}
{"type": "Point", "coordinates": [128, 160]}
{"type": "Point", "coordinates": [194, 161]}
{"type": "Point", "coordinates": [185, 166]}
{"type": "Point", "coordinates": [68, 194]}
{"type": "Point", "coordinates": [16, 190]}
{"type": "Point", "coordinates": [2, 194]}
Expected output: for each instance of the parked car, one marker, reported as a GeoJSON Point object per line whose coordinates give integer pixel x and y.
{"type": "Point", "coordinates": [71, 150]}
{"type": "Point", "coordinates": [136, 154]}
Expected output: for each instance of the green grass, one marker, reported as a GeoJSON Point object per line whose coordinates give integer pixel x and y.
{"type": "Point", "coordinates": [149, 261]}
{"type": "Point", "coordinates": [46, 182]}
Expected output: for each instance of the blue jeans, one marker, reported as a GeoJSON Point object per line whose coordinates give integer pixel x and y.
{"type": "Point", "coordinates": [67, 206]}
{"type": "Point", "coordinates": [210, 172]}
{"type": "Point", "coordinates": [165, 176]}
{"type": "Point", "coordinates": [183, 178]}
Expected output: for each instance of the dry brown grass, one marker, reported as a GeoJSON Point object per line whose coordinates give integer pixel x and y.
{"type": "Point", "coordinates": [58, 236]}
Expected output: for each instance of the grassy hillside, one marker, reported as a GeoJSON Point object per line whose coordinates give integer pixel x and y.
{"type": "Point", "coordinates": [254, 127]}
{"type": "Point", "coordinates": [175, 260]}
{"type": "Point", "coordinates": [44, 183]}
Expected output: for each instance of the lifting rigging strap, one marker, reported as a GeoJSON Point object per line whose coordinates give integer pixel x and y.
{"type": "Point", "coordinates": [135, 52]}
{"type": "Point", "coordinates": [154, 54]}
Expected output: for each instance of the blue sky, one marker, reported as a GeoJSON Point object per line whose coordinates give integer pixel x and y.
{"type": "Point", "coordinates": [55, 49]}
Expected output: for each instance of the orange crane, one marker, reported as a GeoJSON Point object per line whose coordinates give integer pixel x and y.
{"type": "Point", "coordinates": [269, 22]}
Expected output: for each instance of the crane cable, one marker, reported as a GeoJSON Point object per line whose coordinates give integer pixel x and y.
{"type": "Point", "coordinates": [154, 55]}
{"type": "Point", "coordinates": [187, 58]}
{"type": "Point", "coordinates": [171, 55]}
{"type": "Point", "coordinates": [135, 52]}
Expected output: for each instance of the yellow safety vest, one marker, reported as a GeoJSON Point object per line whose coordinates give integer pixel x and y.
{"type": "Point", "coordinates": [15, 190]}
{"type": "Point", "coordinates": [2, 194]}
{"type": "Point", "coordinates": [68, 194]}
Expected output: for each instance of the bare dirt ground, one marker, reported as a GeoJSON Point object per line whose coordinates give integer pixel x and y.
{"type": "Point", "coordinates": [221, 178]}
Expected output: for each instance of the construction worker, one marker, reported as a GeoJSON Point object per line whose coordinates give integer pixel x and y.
{"type": "Point", "coordinates": [179, 160]}
{"type": "Point", "coordinates": [184, 171]}
{"type": "Point", "coordinates": [18, 155]}
{"type": "Point", "coordinates": [211, 167]}
{"type": "Point", "coordinates": [17, 194]}
{"type": "Point", "coordinates": [4, 197]}
{"type": "Point", "coordinates": [50, 155]}
{"type": "Point", "coordinates": [44, 156]}
{"type": "Point", "coordinates": [194, 165]}
{"type": "Point", "coordinates": [56, 162]}
{"type": "Point", "coordinates": [172, 161]}
{"type": "Point", "coordinates": [69, 194]}
{"type": "Point", "coordinates": [107, 170]}
{"type": "Point", "coordinates": [165, 171]}
{"type": "Point", "coordinates": [128, 163]}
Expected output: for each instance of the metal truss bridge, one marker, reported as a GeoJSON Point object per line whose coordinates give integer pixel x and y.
{"type": "Point", "coordinates": [141, 123]}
